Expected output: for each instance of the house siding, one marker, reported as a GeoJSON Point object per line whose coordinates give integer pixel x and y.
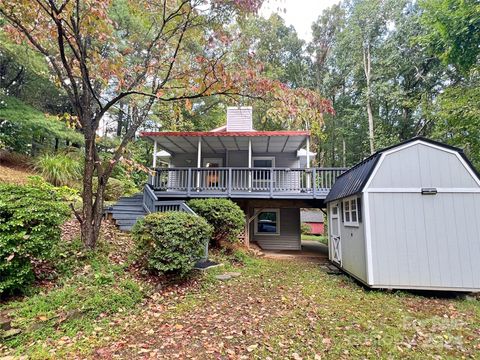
{"type": "Point", "coordinates": [419, 166]}
{"type": "Point", "coordinates": [236, 159]}
{"type": "Point", "coordinates": [424, 241]}
{"type": "Point", "coordinates": [240, 159]}
{"type": "Point", "coordinates": [289, 237]}
{"type": "Point", "coordinates": [353, 249]}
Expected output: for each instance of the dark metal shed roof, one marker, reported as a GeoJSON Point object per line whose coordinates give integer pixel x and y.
{"type": "Point", "coordinates": [353, 180]}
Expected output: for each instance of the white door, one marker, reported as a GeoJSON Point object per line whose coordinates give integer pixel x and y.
{"type": "Point", "coordinates": [335, 244]}
{"type": "Point", "coordinates": [261, 177]}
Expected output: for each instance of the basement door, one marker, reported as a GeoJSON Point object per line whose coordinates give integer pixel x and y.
{"type": "Point", "coordinates": [335, 240]}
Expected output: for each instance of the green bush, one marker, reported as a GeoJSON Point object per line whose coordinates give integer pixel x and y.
{"type": "Point", "coordinates": [59, 169]}
{"type": "Point", "coordinates": [30, 219]}
{"type": "Point", "coordinates": [305, 229]}
{"type": "Point", "coordinates": [116, 188]}
{"type": "Point", "coordinates": [226, 217]}
{"type": "Point", "coordinates": [171, 242]}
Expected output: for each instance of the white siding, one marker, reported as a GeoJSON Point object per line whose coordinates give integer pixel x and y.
{"type": "Point", "coordinates": [424, 241]}
{"type": "Point", "coordinates": [239, 119]}
{"type": "Point", "coordinates": [353, 249]}
{"type": "Point", "coordinates": [289, 238]}
{"type": "Point", "coordinates": [421, 165]}
{"type": "Point", "coordinates": [421, 241]}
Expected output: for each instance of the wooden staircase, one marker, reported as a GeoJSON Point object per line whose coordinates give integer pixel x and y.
{"type": "Point", "coordinates": [127, 211]}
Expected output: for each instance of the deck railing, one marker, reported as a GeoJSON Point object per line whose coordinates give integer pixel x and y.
{"type": "Point", "coordinates": [230, 181]}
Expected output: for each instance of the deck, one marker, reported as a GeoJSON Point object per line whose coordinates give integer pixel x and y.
{"type": "Point", "coordinates": [256, 183]}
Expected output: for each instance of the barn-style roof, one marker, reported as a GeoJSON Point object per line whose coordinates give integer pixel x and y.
{"type": "Point", "coordinates": [354, 180]}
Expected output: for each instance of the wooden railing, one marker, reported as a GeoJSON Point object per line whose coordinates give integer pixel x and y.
{"type": "Point", "coordinates": [230, 181]}
{"type": "Point", "coordinates": [151, 203]}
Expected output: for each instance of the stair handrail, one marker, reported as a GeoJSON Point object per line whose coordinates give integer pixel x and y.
{"type": "Point", "coordinates": [149, 199]}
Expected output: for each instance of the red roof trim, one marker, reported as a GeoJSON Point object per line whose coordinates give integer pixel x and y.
{"type": "Point", "coordinates": [225, 133]}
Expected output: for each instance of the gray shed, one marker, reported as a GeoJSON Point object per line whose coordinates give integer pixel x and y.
{"type": "Point", "coordinates": [408, 217]}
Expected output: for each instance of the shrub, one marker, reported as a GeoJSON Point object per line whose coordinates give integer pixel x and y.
{"type": "Point", "coordinates": [171, 242]}
{"type": "Point", "coordinates": [116, 188]}
{"type": "Point", "coordinates": [30, 219]}
{"type": "Point", "coordinates": [59, 169]}
{"type": "Point", "coordinates": [226, 217]}
{"type": "Point", "coordinates": [305, 229]}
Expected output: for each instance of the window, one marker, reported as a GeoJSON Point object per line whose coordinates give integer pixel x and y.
{"type": "Point", "coordinates": [267, 222]}
{"type": "Point", "coordinates": [350, 212]}
{"type": "Point", "coordinates": [263, 162]}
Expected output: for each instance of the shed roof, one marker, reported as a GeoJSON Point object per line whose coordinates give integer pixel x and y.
{"type": "Point", "coordinates": [354, 180]}
{"type": "Point", "coordinates": [311, 216]}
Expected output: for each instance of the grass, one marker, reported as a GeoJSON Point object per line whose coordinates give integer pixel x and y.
{"type": "Point", "coordinates": [274, 309]}
{"type": "Point", "coordinates": [91, 294]}
{"type": "Point", "coordinates": [320, 238]}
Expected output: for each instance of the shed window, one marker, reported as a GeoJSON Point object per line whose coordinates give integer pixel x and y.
{"type": "Point", "coordinates": [267, 222]}
{"type": "Point", "coordinates": [350, 212]}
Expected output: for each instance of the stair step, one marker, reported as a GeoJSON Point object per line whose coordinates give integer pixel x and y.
{"type": "Point", "coordinates": [128, 222]}
{"type": "Point", "coordinates": [130, 201]}
{"type": "Point", "coordinates": [126, 208]}
{"type": "Point", "coordinates": [123, 216]}
{"type": "Point", "coordinates": [125, 227]}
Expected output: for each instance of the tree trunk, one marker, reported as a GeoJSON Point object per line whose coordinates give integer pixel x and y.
{"type": "Point", "coordinates": [367, 66]}
{"type": "Point", "coordinates": [92, 202]}
{"type": "Point", "coordinates": [120, 120]}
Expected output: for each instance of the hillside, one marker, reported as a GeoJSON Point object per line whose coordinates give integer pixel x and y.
{"type": "Point", "coordinates": [16, 175]}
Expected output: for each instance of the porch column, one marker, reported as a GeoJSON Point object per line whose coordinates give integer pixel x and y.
{"type": "Point", "coordinates": [308, 162]}
{"type": "Point", "coordinates": [154, 162]}
{"type": "Point", "coordinates": [199, 161]}
{"type": "Point", "coordinates": [249, 164]}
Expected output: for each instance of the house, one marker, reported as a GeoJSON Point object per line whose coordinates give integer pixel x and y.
{"type": "Point", "coordinates": [262, 171]}
{"type": "Point", "coordinates": [314, 220]}
{"type": "Point", "coordinates": [407, 217]}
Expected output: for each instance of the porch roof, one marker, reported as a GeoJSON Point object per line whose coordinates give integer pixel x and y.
{"type": "Point", "coordinates": [182, 142]}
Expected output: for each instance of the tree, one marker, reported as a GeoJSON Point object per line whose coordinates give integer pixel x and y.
{"type": "Point", "coordinates": [112, 55]}
{"type": "Point", "coordinates": [103, 52]}
{"type": "Point", "coordinates": [454, 31]}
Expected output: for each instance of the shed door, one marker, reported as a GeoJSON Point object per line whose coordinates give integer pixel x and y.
{"type": "Point", "coordinates": [335, 243]}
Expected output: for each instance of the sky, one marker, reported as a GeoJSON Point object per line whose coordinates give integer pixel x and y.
{"type": "Point", "coordinates": [299, 13]}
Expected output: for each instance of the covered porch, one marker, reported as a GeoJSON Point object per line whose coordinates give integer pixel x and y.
{"type": "Point", "coordinates": [247, 164]}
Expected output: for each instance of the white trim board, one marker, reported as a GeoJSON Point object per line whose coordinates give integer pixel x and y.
{"type": "Point", "coordinates": [419, 190]}
{"type": "Point", "coordinates": [257, 212]}
{"type": "Point", "coordinates": [368, 237]}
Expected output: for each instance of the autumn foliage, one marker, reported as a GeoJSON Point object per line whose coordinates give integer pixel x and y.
{"type": "Point", "coordinates": [141, 52]}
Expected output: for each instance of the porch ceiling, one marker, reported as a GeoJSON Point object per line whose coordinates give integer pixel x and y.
{"type": "Point", "coordinates": [219, 142]}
